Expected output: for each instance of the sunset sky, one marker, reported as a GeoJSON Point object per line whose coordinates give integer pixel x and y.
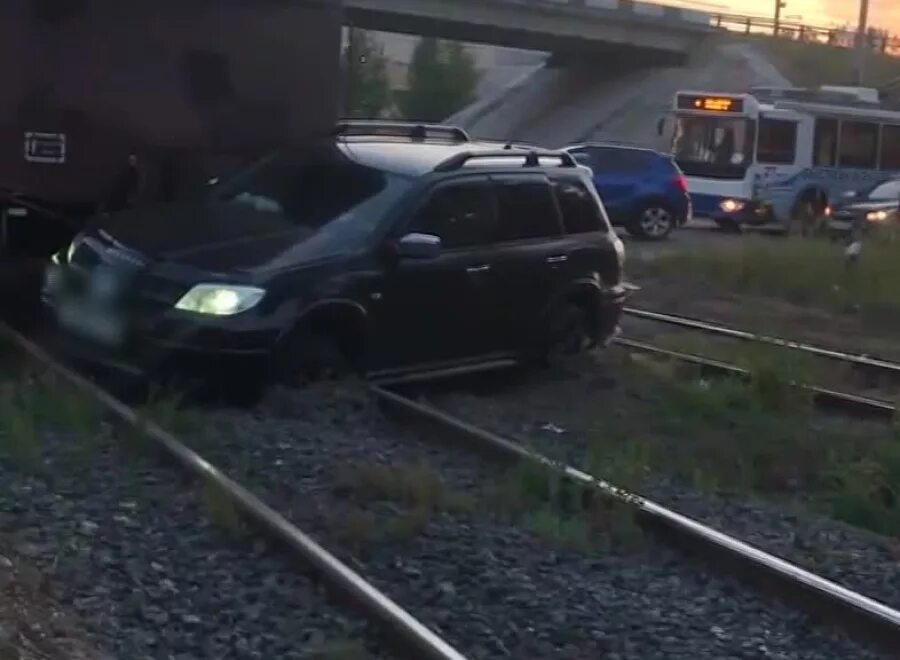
{"type": "Point", "coordinates": [882, 13]}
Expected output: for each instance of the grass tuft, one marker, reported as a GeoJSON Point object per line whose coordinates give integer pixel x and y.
{"type": "Point", "coordinates": [572, 516]}
{"type": "Point", "coordinates": [349, 649]}
{"type": "Point", "coordinates": [417, 490]}
{"type": "Point", "coordinates": [221, 510]}
{"type": "Point", "coordinates": [799, 270]}
{"type": "Point", "coordinates": [758, 436]}
{"type": "Point", "coordinates": [20, 440]}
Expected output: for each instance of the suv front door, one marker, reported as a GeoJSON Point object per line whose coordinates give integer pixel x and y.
{"type": "Point", "coordinates": [432, 308]}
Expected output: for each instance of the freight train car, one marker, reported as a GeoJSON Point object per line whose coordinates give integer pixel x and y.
{"type": "Point", "coordinates": [153, 95]}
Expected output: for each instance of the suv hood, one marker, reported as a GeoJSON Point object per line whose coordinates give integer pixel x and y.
{"type": "Point", "coordinates": [209, 235]}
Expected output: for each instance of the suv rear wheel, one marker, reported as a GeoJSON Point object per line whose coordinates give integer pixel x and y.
{"type": "Point", "coordinates": [654, 222]}
{"type": "Point", "coordinates": [569, 331]}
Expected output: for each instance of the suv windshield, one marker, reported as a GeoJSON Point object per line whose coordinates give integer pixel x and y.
{"type": "Point", "coordinates": [329, 198]}
{"type": "Point", "coordinates": [886, 191]}
{"type": "Point", "coordinates": [715, 147]}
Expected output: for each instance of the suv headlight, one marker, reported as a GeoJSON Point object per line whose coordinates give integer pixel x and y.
{"type": "Point", "coordinates": [220, 299]}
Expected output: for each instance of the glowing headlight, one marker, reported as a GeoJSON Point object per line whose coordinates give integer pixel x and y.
{"type": "Point", "coordinates": [220, 299]}
{"type": "Point", "coordinates": [877, 216]}
{"type": "Point", "coordinates": [732, 205]}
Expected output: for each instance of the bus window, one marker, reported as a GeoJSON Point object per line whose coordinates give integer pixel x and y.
{"type": "Point", "coordinates": [777, 141]}
{"type": "Point", "coordinates": [890, 148]}
{"type": "Point", "coordinates": [825, 154]}
{"type": "Point", "coordinates": [859, 145]}
{"type": "Point", "coordinates": [714, 146]}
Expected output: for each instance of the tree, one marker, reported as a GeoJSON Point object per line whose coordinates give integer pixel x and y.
{"type": "Point", "coordinates": [367, 91]}
{"type": "Point", "coordinates": [442, 80]}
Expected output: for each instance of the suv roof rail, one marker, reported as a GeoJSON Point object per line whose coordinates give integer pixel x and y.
{"type": "Point", "coordinates": [409, 130]}
{"type": "Point", "coordinates": [531, 158]}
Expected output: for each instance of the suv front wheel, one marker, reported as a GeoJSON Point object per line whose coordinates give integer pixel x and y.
{"type": "Point", "coordinates": [654, 222]}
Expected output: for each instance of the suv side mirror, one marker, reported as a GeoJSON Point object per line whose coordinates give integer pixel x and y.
{"type": "Point", "coordinates": [419, 246]}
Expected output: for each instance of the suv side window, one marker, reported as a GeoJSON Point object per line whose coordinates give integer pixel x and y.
{"type": "Point", "coordinates": [461, 214]}
{"type": "Point", "coordinates": [526, 209]}
{"type": "Point", "coordinates": [618, 161]}
{"type": "Point", "coordinates": [580, 211]}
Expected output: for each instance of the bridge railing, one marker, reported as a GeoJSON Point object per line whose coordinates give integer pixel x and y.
{"type": "Point", "coordinates": [876, 40]}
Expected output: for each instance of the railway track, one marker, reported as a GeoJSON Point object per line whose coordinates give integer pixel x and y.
{"type": "Point", "coordinates": [820, 597]}
{"type": "Point", "coordinates": [402, 630]}
{"type": "Point", "coordinates": [825, 397]}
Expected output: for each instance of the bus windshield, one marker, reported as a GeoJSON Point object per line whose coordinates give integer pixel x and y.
{"type": "Point", "coordinates": [714, 146]}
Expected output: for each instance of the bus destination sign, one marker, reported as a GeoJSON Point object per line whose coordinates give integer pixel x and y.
{"type": "Point", "coordinates": [725, 104]}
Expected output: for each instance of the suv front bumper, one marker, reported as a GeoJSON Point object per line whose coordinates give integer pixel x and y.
{"type": "Point", "coordinates": [150, 341]}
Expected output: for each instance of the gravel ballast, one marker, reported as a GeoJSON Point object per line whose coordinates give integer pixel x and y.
{"type": "Point", "coordinates": [484, 580]}
{"type": "Point", "coordinates": [126, 545]}
{"type": "Point", "coordinates": [558, 413]}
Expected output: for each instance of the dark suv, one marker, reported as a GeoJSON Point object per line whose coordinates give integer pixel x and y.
{"type": "Point", "coordinates": [385, 247]}
{"type": "Point", "coordinates": [642, 190]}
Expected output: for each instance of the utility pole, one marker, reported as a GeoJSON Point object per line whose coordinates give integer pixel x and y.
{"type": "Point", "coordinates": [861, 46]}
{"type": "Point", "coordinates": [779, 5]}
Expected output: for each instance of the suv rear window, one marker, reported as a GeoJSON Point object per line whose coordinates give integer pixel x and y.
{"type": "Point", "coordinates": [580, 211]}
{"type": "Point", "coordinates": [526, 209]}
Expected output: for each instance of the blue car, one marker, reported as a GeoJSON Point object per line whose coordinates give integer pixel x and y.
{"type": "Point", "coordinates": [642, 190]}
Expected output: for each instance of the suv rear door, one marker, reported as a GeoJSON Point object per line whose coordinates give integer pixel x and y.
{"type": "Point", "coordinates": [529, 256]}
{"type": "Point", "coordinates": [433, 309]}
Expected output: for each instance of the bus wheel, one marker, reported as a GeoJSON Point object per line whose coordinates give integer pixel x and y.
{"type": "Point", "coordinates": [807, 216]}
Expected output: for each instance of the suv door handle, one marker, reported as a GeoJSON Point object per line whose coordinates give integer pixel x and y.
{"type": "Point", "coordinates": [472, 270]}
{"type": "Point", "coordinates": [557, 260]}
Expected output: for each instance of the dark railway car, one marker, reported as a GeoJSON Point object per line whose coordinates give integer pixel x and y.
{"type": "Point", "coordinates": [185, 88]}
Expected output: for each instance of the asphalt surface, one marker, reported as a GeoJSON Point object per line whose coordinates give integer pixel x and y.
{"type": "Point", "coordinates": [581, 103]}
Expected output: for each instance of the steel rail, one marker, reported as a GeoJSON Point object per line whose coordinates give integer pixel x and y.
{"type": "Point", "coordinates": [408, 632]}
{"type": "Point", "coordinates": [823, 397]}
{"type": "Point", "coordinates": [711, 328]}
{"type": "Point", "coordinates": [876, 621]}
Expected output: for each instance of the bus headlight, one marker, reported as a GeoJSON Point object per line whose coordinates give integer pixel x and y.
{"type": "Point", "coordinates": [877, 216]}
{"type": "Point", "coordinates": [732, 205]}
{"type": "Point", "coordinates": [220, 299]}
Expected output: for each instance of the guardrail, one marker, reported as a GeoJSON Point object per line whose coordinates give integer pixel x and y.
{"type": "Point", "coordinates": [877, 41]}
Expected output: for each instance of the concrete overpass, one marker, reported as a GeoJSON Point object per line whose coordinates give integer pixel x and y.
{"type": "Point", "coordinates": [623, 28]}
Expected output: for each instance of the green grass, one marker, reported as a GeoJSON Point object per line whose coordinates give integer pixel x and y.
{"type": "Point", "coordinates": [760, 436]}
{"type": "Point", "coordinates": [566, 514]}
{"type": "Point", "coordinates": [801, 271]}
{"type": "Point", "coordinates": [813, 65]}
{"type": "Point", "coordinates": [349, 649]}
{"type": "Point", "coordinates": [417, 490]}
{"type": "Point", "coordinates": [20, 438]}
